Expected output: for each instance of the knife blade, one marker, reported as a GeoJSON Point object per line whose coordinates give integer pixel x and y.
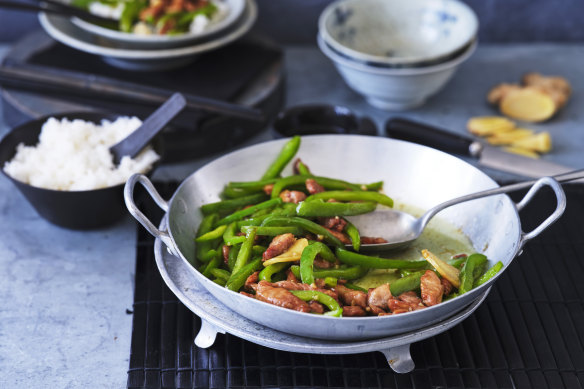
{"type": "Point", "coordinates": [488, 156]}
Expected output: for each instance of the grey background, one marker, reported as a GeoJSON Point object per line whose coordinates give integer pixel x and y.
{"type": "Point", "coordinates": [294, 21]}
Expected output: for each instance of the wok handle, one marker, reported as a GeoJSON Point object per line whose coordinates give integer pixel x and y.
{"type": "Point", "coordinates": [138, 215]}
{"type": "Point", "coordinates": [560, 207]}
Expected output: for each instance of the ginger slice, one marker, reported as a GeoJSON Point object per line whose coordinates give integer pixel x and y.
{"type": "Point", "coordinates": [540, 142]}
{"type": "Point", "coordinates": [509, 137]}
{"type": "Point", "coordinates": [489, 125]}
{"type": "Point", "coordinates": [522, 151]}
{"type": "Point", "coordinates": [557, 87]}
{"type": "Point", "coordinates": [528, 104]}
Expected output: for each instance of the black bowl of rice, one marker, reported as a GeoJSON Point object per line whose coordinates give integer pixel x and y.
{"type": "Point", "coordinates": [62, 165]}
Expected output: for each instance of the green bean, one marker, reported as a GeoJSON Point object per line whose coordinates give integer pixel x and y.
{"type": "Point", "coordinates": [355, 287]}
{"type": "Point", "coordinates": [206, 225]}
{"type": "Point", "coordinates": [244, 251]}
{"type": "Point", "coordinates": [274, 231]}
{"type": "Point", "coordinates": [237, 279]}
{"type": "Point", "coordinates": [252, 185]}
{"type": "Point", "coordinates": [467, 274]}
{"type": "Point", "coordinates": [489, 274]}
{"type": "Point", "coordinates": [232, 257]}
{"type": "Point", "coordinates": [327, 183]}
{"type": "Point", "coordinates": [342, 273]}
{"type": "Point", "coordinates": [367, 261]}
{"type": "Point", "coordinates": [229, 237]}
{"type": "Point", "coordinates": [312, 295]}
{"type": "Point", "coordinates": [286, 154]}
{"type": "Point", "coordinates": [307, 260]}
{"type": "Point", "coordinates": [322, 209]}
{"type": "Point", "coordinates": [232, 204]}
{"type": "Point", "coordinates": [356, 195]}
{"type": "Point", "coordinates": [212, 235]}
{"type": "Point", "coordinates": [269, 271]}
{"type": "Point", "coordinates": [331, 282]}
{"type": "Point", "coordinates": [219, 281]}
{"type": "Point", "coordinates": [405, 284]}
{"type": "Point", "coordinates": [213, 264]}
{"type": "Point", "coordinates": [285, 182]}
{"type": "Point", "coordinates": [220, 273]}
{"type": "Point", "coordinates": [302, 168]}
{"type": "Point", "coordinates": [305, 224]}
{"type": "Point", "coordinates": [233, 193]}
{"type": "Point", "coordinates": [257, 249]}
{"type": "Point", "coordinates": [238, 215]}
{"type": "Point", "coordinates": [353, 234]}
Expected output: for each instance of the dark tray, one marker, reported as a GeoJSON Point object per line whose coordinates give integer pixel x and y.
{"type": "Point", "coordinates": [527, 334]}
{"type": "Point", "coordinates": [249, 72]}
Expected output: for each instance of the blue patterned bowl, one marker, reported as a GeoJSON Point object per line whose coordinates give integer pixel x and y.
{"type": "Point", "coordinates": [396, 32]}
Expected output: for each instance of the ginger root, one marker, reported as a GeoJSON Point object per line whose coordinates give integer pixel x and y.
{"type": "Point", "coordinates": [537, 99]}
{"type": "Point", "coordinates": [489, 125]}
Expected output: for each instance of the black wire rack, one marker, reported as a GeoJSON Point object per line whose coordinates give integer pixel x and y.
{"type": "Point", "coordinates": [529, 332]}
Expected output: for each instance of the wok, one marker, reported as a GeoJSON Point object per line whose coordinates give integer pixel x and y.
{"type": "Point", "coordinates": [412, 174]}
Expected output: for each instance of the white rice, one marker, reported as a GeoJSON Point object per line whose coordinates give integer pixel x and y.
{"type": "Point", "coordinates": [74, 155]}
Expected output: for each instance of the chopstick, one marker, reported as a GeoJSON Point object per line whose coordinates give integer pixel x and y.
{"type": "Point", "coordinates": [42, 78]}
{"type": "Point", "coordinates": [57, 8]}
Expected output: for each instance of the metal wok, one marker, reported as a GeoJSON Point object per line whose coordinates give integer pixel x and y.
{"type": "Point", "coordinates": [412, 174]}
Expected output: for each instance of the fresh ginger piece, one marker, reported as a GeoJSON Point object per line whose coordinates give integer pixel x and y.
{"type": "Point", "coordinates": [489, 125]}
{"type": "Point", "coordinates": [498, 92]}
{"type": "Point", "coordinates": [557, 87]}
{"type": "Point", "coordinates": [528, 104]}
{"type": "Point", "coordinates": [541, 142]}
{"type": "Point", "coordinates": [522, 151]}
{"type": "Point", "coordinates": [509, 137]}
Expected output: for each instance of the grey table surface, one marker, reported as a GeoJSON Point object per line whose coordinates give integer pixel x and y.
{"type": "Point", "coordinates": [64, 294]}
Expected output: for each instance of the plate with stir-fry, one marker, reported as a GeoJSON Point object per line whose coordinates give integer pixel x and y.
{"type": "Point", "coordinates": [267, 230]}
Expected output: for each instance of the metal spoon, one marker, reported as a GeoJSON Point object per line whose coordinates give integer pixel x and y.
{"type": "Point", "coordinates": [137, 140]}
{"type": "Point", "coordinates": [400, 229]}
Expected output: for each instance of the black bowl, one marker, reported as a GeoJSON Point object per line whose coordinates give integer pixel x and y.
{"type": "Point", "coordinates": [87, 209]}
{"type": "Point", "coordinates": [313, 119]}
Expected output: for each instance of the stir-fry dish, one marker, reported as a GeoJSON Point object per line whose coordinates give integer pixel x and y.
{"type": "Point", "coordinates": [163, 17]}
{"type": "Point", "coordinates": [287, 241]}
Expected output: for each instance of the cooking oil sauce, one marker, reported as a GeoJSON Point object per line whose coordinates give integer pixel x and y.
{"type": "Point", "coordinates": [440, 237]}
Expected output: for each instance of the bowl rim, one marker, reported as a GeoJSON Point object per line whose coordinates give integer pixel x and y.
{"type": "Point", "coordinates": [128, 37]}
{"type": "Point", "coordinates": [353, 64]}
{"type": "Point", "coordinates": [323, 31]}
{"type": "Point", "coordinates": [83, 115]}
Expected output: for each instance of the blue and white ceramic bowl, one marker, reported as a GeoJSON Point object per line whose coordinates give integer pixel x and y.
{"type": "Point", "coordinates": [395, 89]}
{"type": "Point", "coordinates": [398, 32]}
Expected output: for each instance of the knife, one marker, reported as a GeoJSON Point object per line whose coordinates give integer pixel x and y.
{"type": "Point", "coordinates": [489, 156]}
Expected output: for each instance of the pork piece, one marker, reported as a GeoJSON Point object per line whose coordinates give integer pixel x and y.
{"type": "Point", "coordinates": [281, 297]}
{"type": "Point", "coordinates": [268, 189]}
{"type": "Point", "coordinates": [353, 310]}
{"type": "Point", "coordinates": [251, 280]}
{"type": "Point", "coordinates": [370, 240]}
{"type": "Point", "coordinates": [313, 187]}
{"type": "Point", "coordinates": [431, 288]}
{"type": "Point", "coordinates": [377, 299]}
{"type": "Point", "coordinates": [322, 263]}
{"type": "Point", "coordinates": [333, 223]}
{"type": "Point", "coordinates": [315, 307]}
{"type": "Point", "coordinates": [448, 287]}
{"type": "Point", "coordinates": [278, 245]}
{"type": "Point", "coordinates": [340, 236]}
{"type": "Point", "coordinates": [225, 250]}
{"type": "Point", "coordinates": [351, 297]}
{"type": "Point", "coordinates": [289, 285]}
{"type": "Point", "coordinates": [405, 302]}
{"type": "Point", "coordinates": [292, 196]}
{"type": "Point", "coordinates": [290, 276]}
{"type": "Point", "coordinates": [411, 298]}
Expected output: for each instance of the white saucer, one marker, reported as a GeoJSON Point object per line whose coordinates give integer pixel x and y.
{"type": "Point", "coordinates": [119, 55]}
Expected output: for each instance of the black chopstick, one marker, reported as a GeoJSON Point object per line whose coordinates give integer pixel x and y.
{"type": "Point", "coordinates": [55, 7]}
{"type": "Point", "coordinates": [42, 78]}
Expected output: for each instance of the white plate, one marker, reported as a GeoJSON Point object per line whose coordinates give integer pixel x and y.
{"type": "Point", "coordinates": [235, 12]}
{"type": "Point", "coordinates": [117, 54]}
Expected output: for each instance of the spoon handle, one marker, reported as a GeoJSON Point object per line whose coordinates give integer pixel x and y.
{"type": "Point", "coordinates": [564, 177]}
{"type": "Point", "coordinates": [138, 139]}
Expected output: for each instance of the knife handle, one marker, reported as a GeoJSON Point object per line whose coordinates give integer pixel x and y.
{"type": "Point", "coordinates": [411, 131]}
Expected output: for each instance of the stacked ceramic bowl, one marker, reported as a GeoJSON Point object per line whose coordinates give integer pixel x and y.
{"type": "Point", "coordinates": [397, 53]}
{"type": "Point", "coordinates": [144, 50]}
